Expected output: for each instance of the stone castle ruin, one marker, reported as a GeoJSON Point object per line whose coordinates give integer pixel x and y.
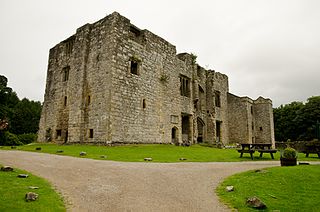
{"type": "Point", "coordinates": [112, 82]}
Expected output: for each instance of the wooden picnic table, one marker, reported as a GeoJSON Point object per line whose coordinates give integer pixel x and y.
{"type": "Point", "coordinates": [312, 149]}
{"type": "Point", "coordinates": [260, 147]}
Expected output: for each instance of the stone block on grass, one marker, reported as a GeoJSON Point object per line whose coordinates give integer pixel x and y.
{"type": "Point", "coordinates": [23, 175]}
{"type": "Point", "coordinates": [31, 196]}
{"type": "Point", "coordinates": [83, 153]}
{"type": "Point", "coordinates": [6, 169]}
{"type": "Point", "coordinates": [255, 202]}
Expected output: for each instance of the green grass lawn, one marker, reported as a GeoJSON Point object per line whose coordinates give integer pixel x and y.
{"type": "Point", "coordinates": [137, 153]}
{"type": "Point", "coordinates": [280, 188]}
{"type": "Point", "coordinates": [158, 152]}
{"type": "Point", "coordinates": [13, 190]}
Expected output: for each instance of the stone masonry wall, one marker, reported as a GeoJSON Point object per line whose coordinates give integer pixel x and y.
{"type": "Point", "coordinates": [112, 82]}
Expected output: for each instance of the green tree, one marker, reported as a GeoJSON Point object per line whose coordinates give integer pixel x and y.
{"type": "Point", "coordinates": [26, 117]}
{"type": "Point", "coordinates": [297, 121]}
{"type": "Point", "coordinates": [17, 117]}
{"type": "Point", "coordinates": [8, 99]}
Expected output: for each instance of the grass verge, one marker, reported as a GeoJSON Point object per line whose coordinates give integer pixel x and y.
{"type": "Point", "coordinates": [13, 190]}
{"type": "Point", "coordinates": [137, 153]}
{"type": "Point", "coordinates": [158, 152]}
{"type": "Point", "coordinates": [281, 188]}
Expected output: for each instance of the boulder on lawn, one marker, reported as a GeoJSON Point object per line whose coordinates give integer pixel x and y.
{"type": "Point", "coordinates": [229, 188]}
{"type": "Point", "coordinates": [23, 175]}
{"type": "Point", "coordinates": [147, 159]}
{"type": "Point", "coordinates": [33, 187]}
{"type": "Point", "coordinates": [31, 196]}
{"type": "Point", "coordinates": [183, 159]}
{"type": "Point", "coordinates": [38, 148]}
{"type": "Point", "coordinates": [83, 153]}
{"type": "Point", "coordinates": [255, 202]}
{"type": "Point", "coordinates": [6, 169]}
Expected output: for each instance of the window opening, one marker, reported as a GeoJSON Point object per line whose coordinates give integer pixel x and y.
{"type": "Point", "coordinates": [65, 101]}
{"type": "Point", "coordinates": [217, 99]}
{"type": "Point", "coordinates": [184, 86]}
{"type": "Point", "coordinates": [65, 72]}
{"type": "Point", "coordinates": [260, 128]}
{"type": "Point", "coordinates": [134, 67]}
{"type": "Point", "coordinates": [89, 100]}
{"type": "Point", "coordinates": [144, 105]}
{"type": "Point", "coordinates": [91, 133]}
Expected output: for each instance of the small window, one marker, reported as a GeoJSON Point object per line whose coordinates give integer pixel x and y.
{"type": "Point", "coordinates": [260, 128]}
{"type": "Point", "coordinates": [144, 104]}
{"type": "Point", "coordinates": [91, 133]}
{"type": "Point", "coordinates": [58, 133]}
{"type": "Point", "coordinates": [89, 100]}
{"type": "Point", "coordinates": [184, 86]}
{"type": "Point", "coordinates": [65, 101]}
{"type": "Point", "coordinates": [217, 98]}
{"type": "Point", "coordinates": [134, 67]}
{"type": "Point", "coordinates": [65, 73]}
{"type": "Point", "coordinates": [251, 109]}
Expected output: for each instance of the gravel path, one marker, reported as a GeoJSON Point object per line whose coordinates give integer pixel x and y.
{"type": "Point", "coordinates": [96, 185]}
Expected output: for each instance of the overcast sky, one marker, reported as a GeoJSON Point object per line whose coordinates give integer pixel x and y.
{"type": "Point", "coordinates": [268, 48]}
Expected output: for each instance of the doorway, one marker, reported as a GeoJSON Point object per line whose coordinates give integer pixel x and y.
{"type": "Point", "coordinates": [218, 131]}
{"type": "Point", "coordinates": [200, 125]}
{"type": "Point", "coordinates": [174, 135]}
{"type": "Point", "coordinates": [185, 128]}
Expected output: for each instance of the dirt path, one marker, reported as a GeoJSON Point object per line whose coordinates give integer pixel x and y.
{"type": "Point", "coordinates": [95, 185]}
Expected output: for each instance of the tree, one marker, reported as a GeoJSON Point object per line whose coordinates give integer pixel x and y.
{"type": "Point", "coordinates": [8, 99]}
{"type": "Point", "coordinates": [19, 117]}
{"type": "Point", "coordinates": [297, 121]}
{"type": "Point", "coordinates": [26, 117]}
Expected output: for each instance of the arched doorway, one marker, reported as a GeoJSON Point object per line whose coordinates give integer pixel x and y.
{"type": "Point", "coordinates": [174, 135]}
{"type": "Point", "coordinates": [200, 126]}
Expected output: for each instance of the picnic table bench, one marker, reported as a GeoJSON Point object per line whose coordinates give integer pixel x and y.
{"type": "Point", "coordinates": [260, 147]}
{"type": "Point", "coordinates": [312, 149]}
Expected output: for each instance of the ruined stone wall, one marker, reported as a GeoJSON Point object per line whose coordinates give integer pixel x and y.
{"type": "Point", "coordinates": [112, 82]}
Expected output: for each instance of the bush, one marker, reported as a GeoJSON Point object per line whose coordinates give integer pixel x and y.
{"type": "Point", "coordinates": [289, 153]}
{"type": "Point", "coordinates": [27, 138]}
{"type": "Point", "coordinates": [9, 139]}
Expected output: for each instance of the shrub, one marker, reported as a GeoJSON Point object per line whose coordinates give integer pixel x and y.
{"type": "Point", "coordinates": [289, 153]}
{"type": "Point", "coordinates": [9, 139]}
{"type": "Point", "coordinates": [27, 138]}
